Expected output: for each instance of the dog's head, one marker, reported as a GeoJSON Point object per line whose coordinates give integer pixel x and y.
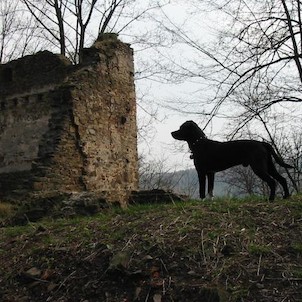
{"type": "Point", "coordinates": [188, 131]}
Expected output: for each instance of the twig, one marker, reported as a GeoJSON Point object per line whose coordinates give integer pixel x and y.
{"type": "Point", "coordinates": [148, 294]}
{"type": "Point", "coordinates": [226, 283]}
{"type": "Point", "coordinates": [29, 222]}
{"type": "Point", "coordinates": [164, 288]}
{"type": "Point", "coordinates": [202, 247]}
{"type": "Point", "coordinates": [165, 267]}
{"type": "Point", "coordinates": [259, 264]}
{"type": "Point", "coordinates": [215, 244]}
{"type": "Point", "coordinates": [63, 282]}
{"type": "Point", "coordinates": [182, 238]}
{"type": "Point", "coordinates": [174, 222]}
{"type": "Point", "coordinates": [129, 242]}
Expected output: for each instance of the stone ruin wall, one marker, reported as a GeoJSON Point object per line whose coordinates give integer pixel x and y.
{"type": "Point", "coordinates": [66, 128]}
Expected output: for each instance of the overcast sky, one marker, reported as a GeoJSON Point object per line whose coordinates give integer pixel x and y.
{"type": "Point", "coordinates": [192, 93]}
{"type": "Point", "coordinates": [159, 144]}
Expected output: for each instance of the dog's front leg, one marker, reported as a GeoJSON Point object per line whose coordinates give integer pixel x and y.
{"type": "Point", "coordinates": [202, 184]}
{"type": "Point", "coordinates": [211, 177]}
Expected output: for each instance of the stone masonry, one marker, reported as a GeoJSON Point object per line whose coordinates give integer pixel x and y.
{"type": "Point", "coordinates": [69, 128]}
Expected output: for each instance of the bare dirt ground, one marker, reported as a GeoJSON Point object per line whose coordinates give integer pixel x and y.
{"type": "Point", "coordinates": [222, 250]}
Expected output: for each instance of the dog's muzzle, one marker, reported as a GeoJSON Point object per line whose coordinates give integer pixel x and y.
{"type": "Point", "coordinates": [175, 134]}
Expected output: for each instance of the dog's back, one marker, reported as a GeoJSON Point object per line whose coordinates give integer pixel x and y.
{"type": "Point", "coordinates": [216, 156]}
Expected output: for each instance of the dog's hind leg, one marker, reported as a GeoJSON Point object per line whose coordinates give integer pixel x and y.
{"type": "Point", "coordinates": [275, 174]}
{"type": "Point", "coordinates": [211, 177]}
{"type": "Point", "coordinates": [264, 175]}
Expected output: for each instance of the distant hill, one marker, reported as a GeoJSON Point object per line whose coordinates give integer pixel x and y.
{"type": "Point", "coordinates": [184, 182]}
{"type": "Point", "coordinates": [237, 181]}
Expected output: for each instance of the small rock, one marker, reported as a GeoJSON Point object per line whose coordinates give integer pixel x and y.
{"type": "Point", "coordinates": [120, 261]}
{"type": "Point", "coordinates": [33, 272]}
{"type": "Point", "coordinates": [157, 298]}
{"type": "Point", "coordinates": [47, 274]}
{"type": "Point", "coordinates": [91, 131]}
{"type": "Point", "coordinates": [260, 286]}
{"type": "Point", "coordinates": [138, 290]}
{"type": "Point", "coordinates": [30, 275]}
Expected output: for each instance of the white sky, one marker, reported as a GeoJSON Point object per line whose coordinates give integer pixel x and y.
{"type": "Point", "coordinates": [162, 146]}
{"type": "Point", "coordinates": [203, 28]}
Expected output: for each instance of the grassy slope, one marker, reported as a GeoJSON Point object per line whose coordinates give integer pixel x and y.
{"type": "Point", "coordinates": [225, 250]}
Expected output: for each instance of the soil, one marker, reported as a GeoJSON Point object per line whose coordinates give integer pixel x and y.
{"type": "Point", "coordinates": [213, 251]}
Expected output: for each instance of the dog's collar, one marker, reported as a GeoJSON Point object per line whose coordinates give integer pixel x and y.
{"type": "Point", "coordinates": [194, 144]}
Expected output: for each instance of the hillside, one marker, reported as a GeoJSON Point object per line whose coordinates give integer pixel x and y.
{"type": "Point", "coordinates": [221, 250]}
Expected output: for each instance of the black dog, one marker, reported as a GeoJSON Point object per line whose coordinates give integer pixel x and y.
{"type": "Point", "coordinates": [213, 156]}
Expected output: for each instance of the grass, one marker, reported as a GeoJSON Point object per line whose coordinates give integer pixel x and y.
{"type": "Point", "coordinates": [230, 243]}
{"type": "Point", "coordinates": [297, 273]}
{"type": "Point", "coordinates": [258, 250]}
{"type": "Point", "coordinates": [15, 231]}
{"type": "Point", "coordinates": [6, 209]}
{"type": "Point", "coordinates": [297, 247]}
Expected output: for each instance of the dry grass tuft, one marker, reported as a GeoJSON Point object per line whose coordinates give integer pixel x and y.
{"type": "Point", "coordinates": [6, 209]}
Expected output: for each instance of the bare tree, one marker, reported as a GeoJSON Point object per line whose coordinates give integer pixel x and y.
{"type": "Point", "coordinates": [252, 71]}
{"type": "Point", "coordinates": [7, 18]}
{"type": "Point", "coordinates": [243, 181]}
{"type": "Point", "coordinates": [71, 24]}
{"type": "Point", "coordinates": [262, 53]}
{"type": "Point", "coordinates": [258, 48]}
{"type": "Point", "coordinates": [18, 31]}
{"type": "Point", "coordinates": [155, 175]}
{"type": "Point", "coordinates": [294, 148]}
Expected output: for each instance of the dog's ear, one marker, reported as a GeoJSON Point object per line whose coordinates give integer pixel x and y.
{"type": "Point", "coordinates": [201, 133]}
{"type": "Point", "coordinates": [190, 124]}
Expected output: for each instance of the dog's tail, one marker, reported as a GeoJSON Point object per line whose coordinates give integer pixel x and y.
{"type": "Point", "coordinates": [277, 158]}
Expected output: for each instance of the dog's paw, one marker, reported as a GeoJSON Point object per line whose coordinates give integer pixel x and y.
{"type": "Point", "coordinates": [207, 198]}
